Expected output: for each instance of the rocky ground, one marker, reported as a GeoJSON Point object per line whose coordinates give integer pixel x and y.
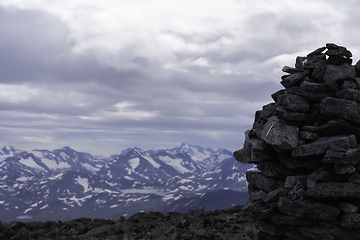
{"type": "Point", "coordinates": [199, 224]}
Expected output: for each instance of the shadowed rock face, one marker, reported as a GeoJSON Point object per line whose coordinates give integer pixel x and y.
{"type": "Point", "coordinates": [306, 147]}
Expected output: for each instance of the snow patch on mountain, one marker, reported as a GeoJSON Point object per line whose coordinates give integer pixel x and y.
{"type": "Point", "coordinates": [84, 182]}
{"type": "Point", "coordinates": [175, 163]}
{"type": "Point", "coordinates": [29, 162]}
{"type": "Point", "coordinates": [134, 162]}
{"type": "Point", "coordinates": [149, 158]}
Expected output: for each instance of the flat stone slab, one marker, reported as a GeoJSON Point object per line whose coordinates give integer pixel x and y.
{"type": "Point", "coordinates": [294, 78]}
{"type": "Point", "coordinates": [334, 190]}
{"type": "Point", "coordinates": [280, 135]}
{"type": "Point", "coordinates": [342, 108]}
{"type": "Point", "coordinates": [307, 210]}
{"type": "Point", "coordinates": [260, 181]}
{"type": "Point", "coordinates": [322, 145]}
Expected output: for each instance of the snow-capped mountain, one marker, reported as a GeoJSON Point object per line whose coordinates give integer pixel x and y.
{"type": "Point", "coordinates": [216, 159]}
{"type": "Point", "coordinates": [26, 163]}
{"type": "Point", "coordinates": [8, 151]}
{"type": "Point", "coordinates": [197, 153]}
{"type": "Point", "coordinates": [136, 169]}
{"type": "Point", "coordinates": [64, 184]}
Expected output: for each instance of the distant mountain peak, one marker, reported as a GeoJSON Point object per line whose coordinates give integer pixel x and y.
{"type": "Point", "coordinates": [7, 149]}
{"type": "Point", "coordinates": [184, 145]}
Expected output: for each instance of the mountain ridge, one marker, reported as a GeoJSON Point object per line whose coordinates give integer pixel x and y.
{"type": "Point", "coordinates": [43, 185]}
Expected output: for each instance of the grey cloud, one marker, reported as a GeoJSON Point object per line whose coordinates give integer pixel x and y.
{"type": "Point", "coordinates": [75, 94]}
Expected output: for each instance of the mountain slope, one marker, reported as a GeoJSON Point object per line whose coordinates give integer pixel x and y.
{"type": "Point", "coordinates": [217, 199]}
{"type": "Point", "coordinates": [63, 184]}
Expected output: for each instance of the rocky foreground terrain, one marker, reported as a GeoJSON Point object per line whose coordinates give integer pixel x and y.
{"type": "Point", "coordinates": [199, 224]}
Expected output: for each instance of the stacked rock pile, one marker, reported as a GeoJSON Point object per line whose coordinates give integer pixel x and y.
{"type": "Point", "coordinates": [306, 146]}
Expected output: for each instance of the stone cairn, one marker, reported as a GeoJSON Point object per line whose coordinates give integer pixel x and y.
{"type": "Point", "coordinates": [306, 146]}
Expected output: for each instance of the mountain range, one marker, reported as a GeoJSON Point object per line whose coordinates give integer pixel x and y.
{"type": "Point", "coordinates": [64, 184]}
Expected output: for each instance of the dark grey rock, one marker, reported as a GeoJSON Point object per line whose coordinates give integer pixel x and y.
{"type": "Point", "coordinates": [354, 178]}
{"type": "Point", "coordinates": [295, 235]}
{"type": "Point", "coordinates": [350, 84]}
{"type": "Point", "coordinates": [275, 195]}
{"type": "Point", "coordinates": [257, 195]}
{"type": "Point", "coordinates": [273, 230]}
{"type": "Point", "coordinates": [313, 86]}
{"type": "Point", "coordinates": [338, 126]}
{"type": "Point", "coordinates": [313, 60]}
{"type": "Point", "coordinates": [321, 145]}
{"type": "Point", "coordinates": [255, 150]}
{"type": "Point", "coordinates": [334, 74]}
{"type": "Point", "coordinates": [297, 191]}
{"type": "Point", "coordinates": [339, 51]}
{"type": "Point", "coordinates": [292, 180]}
{"type": "Point", "coordinates": [274, 168]}
{"type": "Point", "coordinates": [295, 103]}
{"type": "Point", "coordinates": [260, 181]}
{"type": "Point", "coordinates": [331, 46]}
{"type": "Point", "coordinates": [279, 135]}
{"type": "Point", "coordinates": [357, 68]}
{"type": "Point", "coordinates": [299, 63]}
{"type": "Point", "coordinates": [276, 96]}
{"type": "Point", "coordinates": [334, 190]}
{"type": "Point", "coordinates": [319, 70]}
{"type": "Point", "coordinates": [308, 135]}
{"type": "Point", "coordinates": [262, 116]}
{"type": "Point", "coordinates": [283, 219]}
{"type": "Point", "coordinates": [317, 233]}
{"type": "Point", "coordinates": [307, 209]}
{"type": "Point", "coordinates": [347, 207]}
{"type": "Point", "coordinates": [307, 94]}
{"type": "Point", "coordinates": [349, 94]}
{"type": "Point", "coordinates": [314, 129]}
{"type": "Point", "coordinates": [292, 116]}
{"type": "Point", "coordinates": [307, 162]}
{"type": "Point", "coordinates": [319, 176]}
{"type": "Point", "coordinates": [342, 108]}
{"type": "Point", "coordinates": [290, 70]}
{"type": "Point", "coordinates": [338, 169]}
{"type": "Point", "coordinates": [316, 52]}
{"type": "Point", "coordinates": [294, 78]}
{"type": "Point", "coordinates": [350, 220]}
{"type": "Point", "coordinates": [338, 60]}
{"type": "Point", "coordinates": [258, 210]}
{"type": "Point", "coordinates": [264, 236]}
{"type": "Point", "coordinates": [349, 156]}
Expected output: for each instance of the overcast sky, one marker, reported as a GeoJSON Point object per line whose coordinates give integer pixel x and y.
{"type": "Point", "coordinates": [101, 76]}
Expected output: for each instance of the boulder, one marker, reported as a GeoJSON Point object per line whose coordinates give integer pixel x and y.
{"type": "Point", "coordinates": [255, 150]}
{"type": "Point", "coordinates": [323, 144]}
{"type": "Point", "coordinates": [342, 108]}
{"type": "Point", "coordinates": [280, 135]}
{"type": "Point", "coordinates": [294, 78]}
